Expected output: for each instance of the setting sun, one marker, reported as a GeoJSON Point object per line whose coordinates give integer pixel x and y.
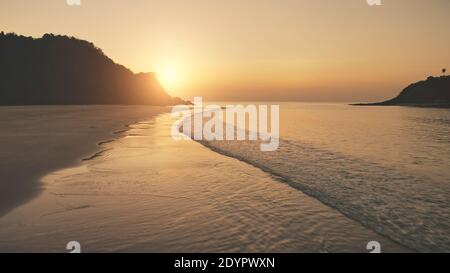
{"type": "Point", "coordinates": [169, 77]}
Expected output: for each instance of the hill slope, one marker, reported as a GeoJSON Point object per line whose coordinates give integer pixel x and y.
{"type": "Point", "coordinates": [433, 92]}
{"type": "Point", "coordinates": [65, 70]}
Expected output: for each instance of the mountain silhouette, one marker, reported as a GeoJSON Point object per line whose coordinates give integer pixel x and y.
{"type": "Point", "coordinates": [64, 70]}
{"type": "Point", "coordinates": [433, 92]}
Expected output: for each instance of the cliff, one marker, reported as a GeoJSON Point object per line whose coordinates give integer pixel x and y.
{"type": "Point", "coordinates": [65, 70]}
{"type": "Point", "coordinates": [433, 92]}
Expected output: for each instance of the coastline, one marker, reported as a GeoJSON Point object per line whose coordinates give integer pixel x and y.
{"type": "Point", "coordinates": [298, 186]}
{"type": "Point", "coordinates": [37, 140]}
{"type": "Point", "coordinates": [354, 177]}
{"type": "Point", "coordinates": [439, 106]}
{"type": "Point", "coordinates": [141, 195]}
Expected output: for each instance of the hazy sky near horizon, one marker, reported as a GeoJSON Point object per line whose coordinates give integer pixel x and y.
{"type": "Point", "coordinates": [310, 50]}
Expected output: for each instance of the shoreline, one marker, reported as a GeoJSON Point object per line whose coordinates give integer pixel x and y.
{"type": "Point", "coordinates": [39, 140]}
{"type": "Point", "coordinates": [297, 186]}
{"type": "Point", "coordinates": [286, 180]}
{"type": "Point", "coordinates": [437, 106]}
{"type": "Point", "coordinates": [129, 195]}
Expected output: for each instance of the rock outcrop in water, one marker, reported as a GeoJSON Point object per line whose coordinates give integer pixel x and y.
{"type": "Point", "coordinates": [433, 92]}
{"type": "Point", "coordinates": [65, 70]}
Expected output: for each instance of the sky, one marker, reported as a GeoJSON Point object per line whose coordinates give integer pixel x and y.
{"type": "Point", "coordinates": [256, 50]}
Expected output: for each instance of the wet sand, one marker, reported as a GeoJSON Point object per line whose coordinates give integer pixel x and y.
{"type": "Point", "coordinates": [36, 140]}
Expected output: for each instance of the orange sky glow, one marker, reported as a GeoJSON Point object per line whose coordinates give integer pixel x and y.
{"type": "Point", "coordinates": [305, 50]}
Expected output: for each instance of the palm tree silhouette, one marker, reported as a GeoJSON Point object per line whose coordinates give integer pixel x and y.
{"type": "Point", "coordinates": [444, 70]}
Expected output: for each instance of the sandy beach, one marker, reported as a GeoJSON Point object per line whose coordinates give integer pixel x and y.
{"type": "Point", "coordinates": [36, 140]}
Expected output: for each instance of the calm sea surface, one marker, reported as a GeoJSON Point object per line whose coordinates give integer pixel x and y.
{"type": "Point", "coordinates": [385, 167]}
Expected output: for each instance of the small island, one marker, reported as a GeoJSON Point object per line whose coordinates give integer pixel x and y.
{"type": "Point", "coordinates": [62, 70]}
{"type": "Point", "coordinates": [432, 92]}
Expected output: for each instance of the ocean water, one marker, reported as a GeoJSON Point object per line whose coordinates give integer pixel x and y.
{"type": "Point", "coordinates": [342, 176]}
{"type": "Point", "coordinates": [385, 167]}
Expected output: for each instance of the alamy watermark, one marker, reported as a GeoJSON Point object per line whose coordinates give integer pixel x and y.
{"type": "Point", "coordinates": [374, 2]}
{"type": "Point", "coordinates": [232, 123]}
{"type": "Point", "coordinates": [369, 2]}
{"type": "Point", "coordinates": [73, 2]}
{"type": "Point", "coordinates": [73, 247]}
{"type": "Point", "coordinates": [374, 247]}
